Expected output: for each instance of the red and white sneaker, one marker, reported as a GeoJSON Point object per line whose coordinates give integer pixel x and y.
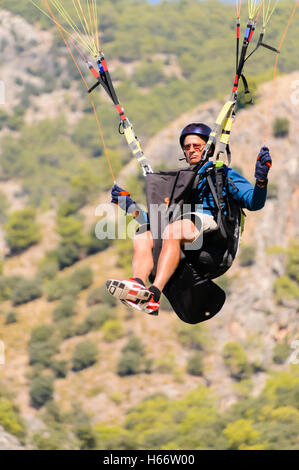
{"type": "Point", "coordinates": [128, 289]}
{"type": "Point", "coordinates": [151, 307]}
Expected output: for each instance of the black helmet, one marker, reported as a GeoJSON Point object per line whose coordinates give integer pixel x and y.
{"type": "Point", "coordinates": [202, 130]}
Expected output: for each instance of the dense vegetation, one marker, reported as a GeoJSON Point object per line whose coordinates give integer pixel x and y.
{"type": "Point", "coordinates": [267, 422]}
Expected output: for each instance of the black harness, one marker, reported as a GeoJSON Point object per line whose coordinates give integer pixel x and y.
{"type": "Point", "coordinates": [192, 294]}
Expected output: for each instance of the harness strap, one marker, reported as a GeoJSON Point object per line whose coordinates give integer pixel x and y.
{"type": "Point", "coordinates": [103, 78]}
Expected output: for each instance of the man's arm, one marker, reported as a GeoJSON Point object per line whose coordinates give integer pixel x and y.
{"type": "Point", "coordinates": [252, 198]}
{"type": "Point", "coordinates": [123, 199]}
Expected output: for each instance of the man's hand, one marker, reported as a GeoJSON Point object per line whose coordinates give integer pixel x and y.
{"type": "Point", "coordinates": [122, 198]}
{"type": "Point", "coordinates": [263, 164]}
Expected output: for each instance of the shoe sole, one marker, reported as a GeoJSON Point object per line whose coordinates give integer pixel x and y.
{"type": "Point", "coordinates": [123, 291]}
{"type": "Point", "coordinates": [133, 306]}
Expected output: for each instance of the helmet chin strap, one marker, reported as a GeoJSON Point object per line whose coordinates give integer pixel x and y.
{"type": "Point", "coordinates": [184, 158]}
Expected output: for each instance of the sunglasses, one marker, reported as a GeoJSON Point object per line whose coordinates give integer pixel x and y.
{"type": "Point", "coordinates": [197, 147]}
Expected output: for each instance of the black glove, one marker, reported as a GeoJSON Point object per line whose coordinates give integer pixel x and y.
{"type": "Point", "coordinates": [263, 164]}
{"type": "Point", "coordinates": [122, 198]}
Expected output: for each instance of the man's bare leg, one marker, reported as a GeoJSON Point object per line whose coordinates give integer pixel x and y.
{"type": "Point", "coordinates": [143, 262]}
{"type": "Point", "coordinates": [175, 235]}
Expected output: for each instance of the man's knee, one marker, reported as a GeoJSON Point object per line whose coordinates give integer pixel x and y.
{"type": "Point", "coordinates": [184, 230]}
{"type": "Point", "coordinates": [143, 241]}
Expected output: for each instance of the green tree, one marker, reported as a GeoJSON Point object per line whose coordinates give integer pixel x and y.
{"type": "Point", "coordinates": [71, 231]}
{"type": "Point", "coordinates": [242, 435]}
{"type": "Point", "coordinates": [149, 74]}
{"type": "Point", "coordinates": [41, 391]}
{"type": "Point", "coordinates": [65, 309]}
{"type": "Point", "coordinates": [21, 229]}
{"type": "Point", "coordinates": [25, 291]}
{"type": "Point", "coordinates": [236, 361]}
{"type": "Point", "coordinates": [10, 418]}
{"type": "Point", "coordinates": [132, 359]}
{"type": "Point", "coordinates": [195, 364]}
{"type": "Point", "coordinates": [85, 355]}
{"type": "Point", "coordinates": [42, 345]}
{"type": "Point", "coordinates": [281, 127]}
{"type": "Point", "coordinates": [247, 255]}
{"type": "Point", "coordinates": [4, 205]}
{"type": "Point", "coordinates": [82, 278]}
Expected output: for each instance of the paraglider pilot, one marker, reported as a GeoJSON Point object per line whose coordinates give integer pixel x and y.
{"type": "Point", "coordinates": [133, 292]}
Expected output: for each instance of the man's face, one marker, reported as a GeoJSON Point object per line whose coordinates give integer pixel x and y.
{"type": "Point", "coordinates": [193, 148]}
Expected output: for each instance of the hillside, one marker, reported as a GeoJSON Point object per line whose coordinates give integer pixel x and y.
{"type": "Point", "coordinates": [180, 386]}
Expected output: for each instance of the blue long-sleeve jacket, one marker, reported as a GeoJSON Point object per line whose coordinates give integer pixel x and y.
{"type": "Point", "coordinates": [249, 197]}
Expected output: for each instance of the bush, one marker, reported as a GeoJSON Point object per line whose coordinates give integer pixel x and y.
{"type": "Point", "coordinates": [133, 358]}
{"type": "Point", "coordinates": [241, 434]}
{"type": "Point", "coordinates": [15, 122]}
{"type": "Point", "coordinates": [70, 207]}
{"type": "Point", "coordinates": [71, 231]}
{"type": "Point", "coordinates": [60, 287]}
{"type": "Point", "coordinates": [65, 309]}
{"type": "Point", "coordinates": [11, 317]}
{"type": "Point", "coordinates": [247, 255]}
{"type": "Point", "coordinates": [191, 336]}
{"type": "Point", "coordinates": [10, 418]}
{"type": "Point", "coordinates": [134, 345]}
{"type": "Point", "coordinates": [82, 328]}
{"type": "Point", "coordinates": [195, 364]}
{"type": "Point", "coordinates": [98, 316]}
{"type": "Point", "coordinates": [41, 391]}
{"type": "Point", "coordinates": [292, 267]}
{"type": "Point", "coordinates": [48, 269]}
{"type": "Point", "coordinates": [41, 333]}
{"type": "Point", "coordinates": [86, 436]}
{"type": "Point", "coordinates": [129, 364]}
{"type": "Point", "coordinates": [272, 192]}
{"type": "Point", "coordinates": [281, 127]}
{"type": "Point", "coordinates": [66, 328]}
{"type": "Point", "coordinates": [85, 355]}
{"type": "Point", "coordinates": [26, 291]}
{"type": "Point", "coordinates": [22, 230]}
{"type": "Point", "coordinates": [67, 254]}
{"type": "Point", "coordinates": [42, 345]}
{"type": "Point", "coordinates": [148, 75]}
{"type": "Point", "coordinates": [3, 118]}
{"type": "Point", "coordinates": [112, 330]}
{"type": "Point", "coordinates": [4, 205]}
{"type": "Point", "coordinates": [59, 368]}
{"type": "Point", "coordinates": [42, 353]}
{"type": "Point", "coordinates": [285, 289]}
{"type": "Point", "coordinates": [235, 359]}
{"type": "Point", "coordinates": [82, 278]}
{"type": "Point", "coordinates": [95, 245]}
{"type": "Point", "coordinates": [7, 284]}
{"type": "Point", "coordinates": [95, 297]}
{"type": "Point", "coordinates": [281, 352]}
